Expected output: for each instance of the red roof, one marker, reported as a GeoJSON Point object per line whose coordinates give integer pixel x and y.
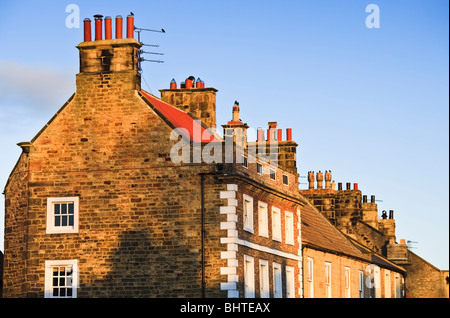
{"type": "Point", "coordinates": [180, 119]}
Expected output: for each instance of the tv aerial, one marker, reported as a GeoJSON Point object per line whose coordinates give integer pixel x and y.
{"type": "Point", "coordinates": [138, 31]}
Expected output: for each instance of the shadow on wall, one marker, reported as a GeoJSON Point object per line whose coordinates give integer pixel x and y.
{"type": "Point", "coordinates": [139, 270]}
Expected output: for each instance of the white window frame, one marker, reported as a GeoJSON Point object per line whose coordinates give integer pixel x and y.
{"type": "Point", "coordinates": [361, 283]}
{"type": "Point", "coordinates": [258, 165]}
{"type": "Point", "coordinates": [287, 179]}
{"type": "Point", "coordinates": [398, 286]}
{"type": "Point", "coordinates": [272, 174]}
{"type": "Point", "coordinates": [277, 281]}
{"type": "Point", "coordinates": [276, 224]}
{"type": "Point", "coordinates": [290, 282]}
{"type": "Point", "coordinates": [347, 282]}
{"type": "Point", "coordinates": [328, 280]}
{"type": "Point", "coordinates": [263, 219]}
{"type": "Point", "coordinates": [387, 283]}
{"type": "Point", "coordinates": [310, 276]}
{"type": "Point", "coordinates": [264, 286]}
{"type": "Point", "coordinates": [248, 213]}
{"type": "Point", "coordinates": [244, 161]}
{"type": "Point", "coordinates": [289, 227]}
{"type": "Point", "coordinates": [249, 277]}
{"type": "Point", "coordinates": [51, 228]}
{"type": "Point", "coordinates": [48, 283]}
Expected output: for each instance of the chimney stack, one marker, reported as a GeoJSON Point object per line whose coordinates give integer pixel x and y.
{"type": "Point", "coordinates": [355, 186]}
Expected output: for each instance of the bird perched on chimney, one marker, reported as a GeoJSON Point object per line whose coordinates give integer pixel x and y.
{"type": "Point", "coordinates": [131, 13]}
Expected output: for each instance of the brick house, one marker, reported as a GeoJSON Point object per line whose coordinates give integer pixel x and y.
{"type": "Point", "coordinates": [123, 194]}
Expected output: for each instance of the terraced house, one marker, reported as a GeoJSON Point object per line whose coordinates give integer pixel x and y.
{"type": "Point", "coordinates": [124, 194]}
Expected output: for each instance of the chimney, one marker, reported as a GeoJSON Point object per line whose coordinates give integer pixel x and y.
{"type": "Point", "coordinates": [260, 136]}
{"type": "Point", "coordinates": [319, 178]}
{"type": "Point", "coordinates": [108, 28]}
{"type": "Point", "coordinates": [355, 186]}
{"type": "Point", "coordinates": [130, 27]}
{"type": "Point", "coordinates": [280, 134]}
{"type": "Point", "coordinates": [311, 179]}
{"type": "Point", "coordinates": [235, 117]}
{"type": "Point", "coordinates": [340, 186]}
{"type": "Point", "coordinates": [372, 198]}
{"type": "Point", "coordinates": [272, 130]}
{"type": "Point", "coordinates": [364, 198]}
{"type": "Point", "coordinates": [98, 27]}
{"type": "Point", "coordinates": [391, 214]}
{"type": "Point", "coordinates": [173, 84]}
{"type": "Point", "coordinates": [327, 179]}
{"type": "Point", "coordinates": [108, 56]}
{"type": "Point", "coordinates": [289, 134]}
{"type": "Point", "coordinates": [87, 30]}
{"type": "Point", "coordinates": [119, 27]}
{"type": "Point", "coordinates": [192, 97]}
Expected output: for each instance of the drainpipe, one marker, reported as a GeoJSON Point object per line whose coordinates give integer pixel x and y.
{"type": "Point", "coordinates": [202, 181]}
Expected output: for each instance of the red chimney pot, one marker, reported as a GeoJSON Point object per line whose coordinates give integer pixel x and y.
{"type": "Point", "coordinates": [87, 30]}
{"type": "Point", "coordinates": [108, 28]}
{"type": "Point", "coordinates": [119, 27]}
{"type": "Point", "coordinates": [130, 27]}
{"type": "Point", "coordinates": [98, 27]}
{"type": "Point", "coordinates": [289, 134]}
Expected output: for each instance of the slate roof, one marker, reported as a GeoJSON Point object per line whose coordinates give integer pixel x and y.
{"type": "Point", "coordinates": [319, 233]}
{"type": "Point", "coordinates": [179, 119]}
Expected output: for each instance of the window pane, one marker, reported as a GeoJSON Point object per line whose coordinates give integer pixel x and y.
{"type": "Point", "coordinates": [64, 208]}
{"type": "Point", "coordinates": [71, 220]}
{"type": "Point", "coordinates": [62, 292]}
{"type": "Point", "coordinates": [57, 208]}
{"type": "Point", "coordinates": [69, 292]}
{"type": "Point", "coordinates": [55, 292]}
{"type": "Point", "coordinates": [71, 208]}
{"type": "Point", "coordinates": [57, 221]}
{"type": "Point", "coordinates": [64, 220]}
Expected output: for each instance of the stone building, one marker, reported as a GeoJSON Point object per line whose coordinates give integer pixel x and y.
{"type": "Point", "coordinates": [124, 194]}
{"type": "Point", "coordinates": [354, 215]}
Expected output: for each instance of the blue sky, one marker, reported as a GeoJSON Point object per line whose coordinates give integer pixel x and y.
{"type": "Point", "coordinates": [371, 105]}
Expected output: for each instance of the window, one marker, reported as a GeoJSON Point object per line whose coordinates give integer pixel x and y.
{"type": "Point", "coordinates": [264, 291]}
{"type": "Point", "coordinates": [263, 223]}
{"type": "Point", "coordinates": [290, 282]}
{"type": "Point", "coordinates": [276, 224]}
{"type": "Point", "coordinates": [244, 161]}
{"type": "Point", "coordinates": [259, 168]}
{"type": "Point", "coordinates": [347, 282]}
{"type": "Point", "coordinates": [361, 284]}
{"type": "Point", "coordinates": [62, 215]}
{"type": "Point", "coordinates": [328, 280]}
{"type": "Point", "coordinates": [398, 289]}
{"type": "Point", "coordinates": [249, 277]}
{"type": "Point", "coordinates": [285, 179]}
{"type": "Point", "coordinates": [61, 279]}
{"type": "Point", "coordinates": [272, 174]}
{"type": "Point", "coordinates": [387, 284]}
{"type": "Point", "coordinates": [277, 291]}
{"type": "Point", "coordinates": [310, 276]}
{"type": "Point", "coordinates": [289, 226]}
{"type": "Point", "coordinates": [248, 213]}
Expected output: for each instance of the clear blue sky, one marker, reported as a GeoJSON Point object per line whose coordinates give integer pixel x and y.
{"type": "Point", "coordinates": [371, 105]}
